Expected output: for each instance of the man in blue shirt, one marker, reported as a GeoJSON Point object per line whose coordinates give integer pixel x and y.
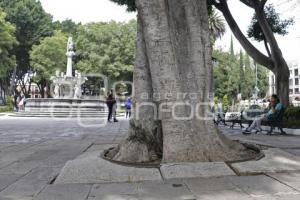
{"type": "Point", "coordinates": [275, 109]}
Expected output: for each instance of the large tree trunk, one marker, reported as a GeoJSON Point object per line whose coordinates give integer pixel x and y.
{"type": "Point", "coordinates": [174, 71]}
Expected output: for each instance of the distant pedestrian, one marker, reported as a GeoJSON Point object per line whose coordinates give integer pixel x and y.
{"type": "Point", "coordinates": [22, 103]}
{"type": "Point", "coordinates": [128, 106]}
{"type": "Point", "coordinates": [112, 107]}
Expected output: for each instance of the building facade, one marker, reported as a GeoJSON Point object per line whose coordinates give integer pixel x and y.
{"type": "Point", "coordinates": [294, 82]}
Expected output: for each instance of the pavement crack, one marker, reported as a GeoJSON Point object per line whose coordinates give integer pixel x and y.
{"type": "Point", "coordinates": [233, 169]}
{"type": "Point", "coordinates": [86, 149]}
{"type": "Point", "coordinates": [90, 190]}
{"type": "Point", "coordinates": [282, 182]}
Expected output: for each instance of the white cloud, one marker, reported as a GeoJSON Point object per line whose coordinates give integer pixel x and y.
{"type": "Point", "coordinates": [86, 10]}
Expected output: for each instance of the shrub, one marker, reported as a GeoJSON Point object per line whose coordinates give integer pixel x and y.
{"type": "Point", "coordinates": [292, 113]}
{"type": "Point", "coordinates": [8, 105]}
{"type": "Point", "coordinates": [292, 116]}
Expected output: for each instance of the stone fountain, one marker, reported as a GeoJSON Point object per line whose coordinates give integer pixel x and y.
{"type": "Point", "coordinates": [67, 98]}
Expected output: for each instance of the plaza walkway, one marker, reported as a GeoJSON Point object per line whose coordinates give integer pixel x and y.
{"type": "Point", "coordinates": [33, 152]}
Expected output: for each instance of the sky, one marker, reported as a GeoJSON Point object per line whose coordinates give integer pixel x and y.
{"type": "Point", "coordinates": [103, 10]}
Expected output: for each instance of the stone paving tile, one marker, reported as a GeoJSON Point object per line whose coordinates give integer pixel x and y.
{"type": "Point", "coordinates": [20, 167]}
{"type": "Point", "coordinates": [235, 194]}
{"type": "Point", "coordinates": [278, 197]}
{"type": "Point", "coordinates": [171, 190]}
{"type": "Point", "coordinates": [275, 161]}
{"type": "Point", "coordinates": [90, 168]}
{"type": "Point", "coordinates": [11, 157]}
{"type": "Point", "coordinates": [215, 188]}
{"type": "Point", "coordinates": [261, 185]}
{"type": "Point", "coordinates": [65, 192]}
{"type": "Point", "coordinates": [115, 197]}
{"type": "Point", "coordinates": [290, 179]}
{"type": "Point", "coordinates": [193, 170]}
{"type": "Point", "coordinates": [40, 155]}
{"type": "Point", "coordinates": [199, 185]}
{"type": "Point", "coordinates": [117, 189]}
{"type": "Point", "coordinates": [295, 152]}
{"type": "Point", "coordinates": [56, 161]}
{"type": "Point", "coordinates": [43, 173]}
{"type": "Point", "coordinates": [7, 179]}
{"type": "Point", "coordinates": [25, 187]}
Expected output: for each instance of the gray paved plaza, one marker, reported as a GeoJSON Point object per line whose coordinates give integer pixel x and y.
{"type": "Point", "coordinates": [34, 151]}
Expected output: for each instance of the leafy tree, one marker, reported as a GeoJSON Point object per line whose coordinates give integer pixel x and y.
{"type": "Point", "coordinates": [249, 80]}
{"type": "Point", "coordinates": [32, 24]}
{"type": "Point", "coordinates": [67, 26]}
{"type": "Point", "coordinates": [277, 26]}
{"type": "Point", "coordinates": [47, 58]}
{"type": "Point", "coordinates": [242, 72]}
{"type": "Point", "coordinates": [226, 75]}
{"type": "Point", "coordinates": [129, 3]}
{"type": "Point", "coordinates": [231, 47]}
{"type": "Point", "coordinates": [263, 82]}
{"type": "Point", "coordinates": [107, 48]}
{"type": "Point", "coordinates": [236, 74]}
{"type": "Point", "coordinates": [7, 59]}
{"type": "Point", "coordinates": [274, 61]}
{"type": "Point", "coordinates": [225, 103]}
{"type": "Point", "coordinates": [217, 24]}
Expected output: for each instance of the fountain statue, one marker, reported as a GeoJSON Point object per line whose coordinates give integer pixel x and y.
{"type": "Point", "coordinates": [66, 91]}
{"type": "Point", "coordinates": [66, 85]}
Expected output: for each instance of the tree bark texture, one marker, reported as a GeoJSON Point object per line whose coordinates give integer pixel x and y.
{"type": "Point", "coordinates": [174, 67]}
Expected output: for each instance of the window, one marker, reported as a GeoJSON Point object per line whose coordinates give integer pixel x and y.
{"type": "Point", "coordinates": [291, 82]}
{"type": "Point", "coordinates": [291, 91]}
{"type": "Point", "coordinates": [296, 90]}
{"type": "Point", "coordinates": [296, 81]}
{"type": "Point", "coordinates": [291, 72]}
{"type": "Point", "coordinates": [296, 72]}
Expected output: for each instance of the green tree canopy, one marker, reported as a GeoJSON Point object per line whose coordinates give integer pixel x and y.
{"type": "Point", "coordinates": [107, 48]}
{"type": "Point", "coordinates": [277, 25]}
{"type": "Point", "coordinates": [217, 26]}
{"type": "Point", "coordinates": [236, 74]}
{"type": "Point", "coordinates": [7, 43]}
{"type": "Point", "coordinates": [67, 26]}
{"type": "Point", "coordinates": [48, 57]}
{"type": "Point", "coordinates": [32, 24]}
{"type": "Point", "coordinates": [129, 3]}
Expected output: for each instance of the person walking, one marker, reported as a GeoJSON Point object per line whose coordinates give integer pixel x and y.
{"type": "Point", "coordinates": [22, 103]}
{"type": "Point", "coordinates": [110, 101]}
{"type": "Point", "coordinates": [128, 106]}
{"type": "Point", "coordinates": [112, 107]}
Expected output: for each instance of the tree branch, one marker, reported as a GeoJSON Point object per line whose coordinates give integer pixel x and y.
{"type": "Point", "coordinates": [263, 3]}
{"type": "Point", "coordinates": [251, 50]}
{"type": "Point", "coordinates": [248, 3]}
{"type": "Point", "coordinates": [267, 47]}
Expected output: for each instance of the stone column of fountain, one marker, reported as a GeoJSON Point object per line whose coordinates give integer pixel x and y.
{"type": "Point", "coordinates": [70, 53]}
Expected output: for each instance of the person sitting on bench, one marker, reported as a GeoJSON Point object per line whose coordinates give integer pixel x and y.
{"type": "Point", "coordinates": [275, 108]}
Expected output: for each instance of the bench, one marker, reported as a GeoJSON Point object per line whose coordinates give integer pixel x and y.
{"type": "Point", "coordinates": [277, 122]}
